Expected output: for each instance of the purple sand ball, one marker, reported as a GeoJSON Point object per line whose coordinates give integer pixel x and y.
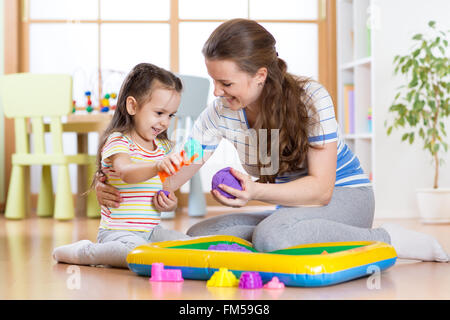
{"type": "Point", "coordinates": [224, 176]}
{"type": "Point", "coordinates": [228, 247]}
{"type": "Point", "coordinates": [165, 192]}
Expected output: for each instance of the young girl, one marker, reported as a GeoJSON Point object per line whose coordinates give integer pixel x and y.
{"type": "Point", "coordinates": [133, 149]}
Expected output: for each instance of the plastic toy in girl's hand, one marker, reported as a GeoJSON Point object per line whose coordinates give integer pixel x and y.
{"type": "Point", "coordinates": [224, 176]}
{"type": "Point", "coordinates": [192, 150]}
{"type": "Point", "coordinates": [250, 280]}
{"type": "Point", "coordinates": [163, 175]}
{"type": "Point", "coordinates": [193, 147]}
{"type": "Point", "coordinates": [163, 191]}
{"type": "Point", "coordinates": [228, 247]}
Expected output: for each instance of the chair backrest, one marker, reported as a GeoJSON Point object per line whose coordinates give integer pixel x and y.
{"type": "Point", "coordinates": [35, 96]}
{"type": "Point", "coordinates": [194, 99]}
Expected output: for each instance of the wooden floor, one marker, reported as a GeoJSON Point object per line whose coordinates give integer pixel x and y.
{"type": "Point", "coordinates": [27, 270]}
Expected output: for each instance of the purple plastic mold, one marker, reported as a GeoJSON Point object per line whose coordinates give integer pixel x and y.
{"type": "Point", "coordinates": [250, 280]}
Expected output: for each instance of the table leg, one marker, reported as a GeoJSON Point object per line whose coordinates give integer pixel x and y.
{"type": "Point", "coordinates": [82, 183]}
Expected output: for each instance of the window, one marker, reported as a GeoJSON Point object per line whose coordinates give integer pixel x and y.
{"type": "Point", "coordinates": [98, 41]}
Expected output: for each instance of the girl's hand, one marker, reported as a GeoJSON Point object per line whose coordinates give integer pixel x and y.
{"type": "Point", "coordinates": [107, 195]}
{"type": "Point", "coordinates": [163, 203]}
{"type": "Point", "coordinates": [242, 197]}
{"type": "Point", "coordinates": [170, 163]}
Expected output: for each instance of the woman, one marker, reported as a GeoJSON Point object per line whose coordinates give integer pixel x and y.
{"type": "Point", "coordinates": [286, 135]}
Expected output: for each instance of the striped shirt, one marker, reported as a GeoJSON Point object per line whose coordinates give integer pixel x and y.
{"type": "Point", "coordinates": [136, 211]}
{"type": "Point", "coordinates": [218, 121]}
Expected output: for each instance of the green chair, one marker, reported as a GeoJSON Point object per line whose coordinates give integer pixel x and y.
{"type": "Point", "coordinates": [28, 98]}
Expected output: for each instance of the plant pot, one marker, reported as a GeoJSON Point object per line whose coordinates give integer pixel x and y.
{"type": "Point", "coordinates": [434, 205]}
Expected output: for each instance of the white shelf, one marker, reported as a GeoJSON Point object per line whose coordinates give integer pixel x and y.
{"type": "Point", "coordinates": [355, 62]}
{"type": "Point", "coordinates": [359, 62]}
{"type": "Point", "coordinates": [354, 136]}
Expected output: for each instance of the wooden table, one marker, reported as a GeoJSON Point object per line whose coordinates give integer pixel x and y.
{"type": "Point", "coordinates": [82, 125]}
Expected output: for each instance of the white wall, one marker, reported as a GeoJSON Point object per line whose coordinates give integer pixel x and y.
{"type": "Point", "coordinates": [400, 167]}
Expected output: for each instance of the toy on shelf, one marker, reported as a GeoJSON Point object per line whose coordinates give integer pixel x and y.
{"type": "Point", "coordinates": [161, 275]}
{"type": "Point", "coordinates": [250, 280]}
{"type": "Point", "coordinates": [275, 283]}
{"type": "Point", "coordinates": [223, 278]}
{"type": "Point", "coordinates": [228, 247]}
{"type": "Point", "coordinates": [192, 150]}
{"type": "Point", "coordinates": [89, 107]}
{"type": "Point", "coordinates": [113, 96]}
{"type": "Point", "coordinates": [224, 176]}
{"type": "Point", "coordinates": [106, 103]}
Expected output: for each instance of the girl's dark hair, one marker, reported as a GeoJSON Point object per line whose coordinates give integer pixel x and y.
{"type": "Point", "coordinates": [139, 83]}
{"type": "Point", "coordinates": [252, 47]}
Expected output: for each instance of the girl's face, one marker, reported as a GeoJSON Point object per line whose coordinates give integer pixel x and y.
{"type": "Point", "coordinates": [154, 116]}
{"type": "Point", "coordinates": [237, 88]}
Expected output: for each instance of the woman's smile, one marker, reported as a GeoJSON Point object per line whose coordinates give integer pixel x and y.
{"type": "Point", "coordinates": [229, 100]}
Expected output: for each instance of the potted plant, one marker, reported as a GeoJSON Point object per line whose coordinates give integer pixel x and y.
{"type": "Point", "coordinates": [421, 108]}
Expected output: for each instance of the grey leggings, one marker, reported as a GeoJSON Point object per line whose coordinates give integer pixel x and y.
{"type": "Point", "coordinates": [113, 246]}
{"type": "Point", "coordinates": [348, 217]}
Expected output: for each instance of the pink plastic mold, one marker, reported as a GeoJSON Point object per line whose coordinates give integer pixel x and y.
{"type": "Point", "coordinates": [159, 274]}
{"type": "Point", "coordinates": [275, 283]}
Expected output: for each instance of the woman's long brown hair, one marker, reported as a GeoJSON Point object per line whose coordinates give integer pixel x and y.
{"type": "Point", "coordinates": [139, 83]}
{"type": "Point", "coordinates": [283, 98]}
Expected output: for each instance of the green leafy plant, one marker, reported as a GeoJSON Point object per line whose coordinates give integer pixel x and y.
{"type": "Point", "coordinates": [421, 106]}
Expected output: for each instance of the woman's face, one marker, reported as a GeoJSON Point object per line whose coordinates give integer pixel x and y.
{"type": "Point", "coordinates": [237, 88]}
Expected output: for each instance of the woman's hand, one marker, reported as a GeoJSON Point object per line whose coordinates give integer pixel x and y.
{"type": "Point", "coordinates": [163, 203]}
{"type": "Point", "coordinates": [242, 197]}
{"type": "Point", "coordinates": [107, 195]}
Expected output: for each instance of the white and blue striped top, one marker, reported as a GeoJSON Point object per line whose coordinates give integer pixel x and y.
{"type": "Point", "coordinates": [218, 121]}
